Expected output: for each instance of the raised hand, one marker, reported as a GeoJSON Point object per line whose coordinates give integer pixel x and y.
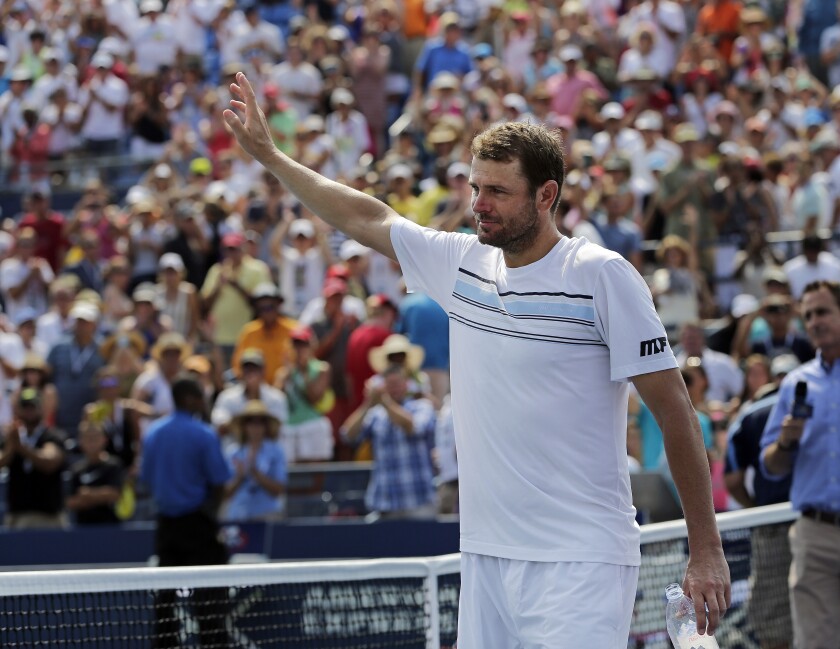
{"type": "Point", "coordinates": [252, 132]}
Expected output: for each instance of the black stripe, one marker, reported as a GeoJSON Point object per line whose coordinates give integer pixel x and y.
{"type": "Point", "coordinates": [544, 293]}
{"type": "Point", "coordinates": [560, 340]}
{"type": "Point", "coordinates": [549, 318]}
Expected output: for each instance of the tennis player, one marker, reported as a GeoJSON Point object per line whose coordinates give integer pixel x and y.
{"type": "Point", "coordinates": [546, 332]}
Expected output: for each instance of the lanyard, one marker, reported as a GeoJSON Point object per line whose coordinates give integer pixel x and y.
{"type": "Point", "coordinates": [80, 357]}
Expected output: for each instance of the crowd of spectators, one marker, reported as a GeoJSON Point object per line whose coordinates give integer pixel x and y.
{"type": "Point", "coordinates": [693, 130]}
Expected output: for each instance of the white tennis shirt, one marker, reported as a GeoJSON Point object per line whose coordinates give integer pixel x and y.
{"type": "Point", "coordinates": [540, 356]}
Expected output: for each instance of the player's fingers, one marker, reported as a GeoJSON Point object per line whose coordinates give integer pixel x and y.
{"type": "Point", "coordinates": [248, 93]}
{"type": "Point", "coordinates": [233, 121]}
{"type": "Point", "coordinates": [713, 617]}
{"type": "Point", "coordinates": [727, 594]}
{"type": "Point", "coordinates": [722, 605]}
{"type": "Point", "coordinates": [699, 610]}
{"type": "Point", "coordinates": [238, 105]}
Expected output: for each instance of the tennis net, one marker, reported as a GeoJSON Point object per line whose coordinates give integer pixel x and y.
{"type": "Point", "coordinates": [409, 603]}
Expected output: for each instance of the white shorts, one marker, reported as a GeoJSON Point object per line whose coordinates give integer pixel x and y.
{"type": "Point", "coordinates": [509, 604]}
{"type": "Point", "coordinates": [311, 440]}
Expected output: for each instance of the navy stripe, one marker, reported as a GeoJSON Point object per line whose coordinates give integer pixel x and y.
{"type": "Point", "coordinates": [490, 281]}
{"type": "Point", "coordinates": [550, 318]}
{"type": "Point", "coordinates": [561, 340]}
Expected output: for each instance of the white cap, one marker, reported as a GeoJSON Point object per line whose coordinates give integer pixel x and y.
{"type": "Point", "coordinates": [613, 110]}
{"type": "Point", "coordinates": [314, 123]}
{"type": "Point", "coordinates": [458, 169]}
{"type": "Point", "coordinates": [649, 120]}
{"type": "Point", "coordinates": [515, 101]}
{"type": "Point", "coordinates": [444, 80]}
{"type": "Point", "coordinates": [302, 228]}
{"type": "Point", "coordinates": [783, 364]}
{"type": "Point", "coordinates": [352, 248]}
{"type": "Point", "coordinates": [571, 53]}
{"type": "Point", "coordinates": [102, 60]}
{"type": "Point", "coordinates": [162, 170]}
{"type": "Point", "coordinates": [147, 6]}
{"type": "Point", "coordinates": [743, 304]}
{"type": "Point", "coordinates": [84, 311]}
{"type": "Point", "coordinates": [400, 171]}
{"type": "Point", "coordinates": [171, 260]}
{"type": "Point", "coordinates": [341, 96]}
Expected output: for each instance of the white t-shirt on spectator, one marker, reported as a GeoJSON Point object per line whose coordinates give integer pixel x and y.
{"type": "Point", "coordinates": [155, 44]}
{"type": "Point", "coordinates": [304, 78]}
{"type": "Point", "coordinates": [101, 123]}
{"type": "Point", "coordinates": [351, 138]}
{"type": "Point", "coordinates": [232, 401]}
{"type": "Point", "coordinates": [301, 278]}
{"type": "Point", "coordinates": [63, 134]}
{"type": "Point", "coordinates": [350, 306]}
{"type": "Point", "coordinates": [671, 16]}
{"type": "Point", "coordinates": [122, 14]}
{"type": "Point", "coordinates": [633, 60]}
{"type": "Point", "coordinates": [541, 416]}
{"type": "Point", "coordinates": [51, 328]}
{"type": "Point", "coordinates": [725, 378]}
{"type": "Point", "coordinates": [191, 17]}
{"type": "Point", "coordinates": [13, 352]}
{"type": "Point", "coordinates": [828, 41]}
{"type": "Point", "coordinates": [265, 37]}
{"type": "Point", "coordinates": [800, 273]}
{"type": "Point", "coordinates": [12, 272]}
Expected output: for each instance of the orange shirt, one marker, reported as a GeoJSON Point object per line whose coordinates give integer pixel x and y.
{"type": "Point", "coordinates": [276, 345]}
{"type": "Point", "coordinates": [414, 19]}
{"type": "Point", "coordinates": [722, 20]}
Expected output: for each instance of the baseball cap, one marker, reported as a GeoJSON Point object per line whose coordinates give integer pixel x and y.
{"type": "Point", "coordinates": [145, 292]}
{"type": "Point", "coordinates": [29, 396]}
{"type": "Point", "coordinates": [515, 101]}
{"type": "Point", "coordinates": [341, 96]}
{"type": "Point", "coordinates": [352, 248]}
{"type": "Point", "coordinates": [775, 274]}
{"type": "Point", "coordinates": [649, 120]}
{"type": "Point", "coordinates": [171, 260]}
{"type": "Point", "coordinates": [400, 171]}
{"type": "Point", "coordinates": [482, 50]}
{"type": "Point", "coordinates": [685, 132]}
{"type": "Point", "coordinates": [102, 60]}
{"type": "Point", "coordinates": [613, 110]}
{"type": "Point", "coordinates": [84, 311]}
{"type": "Point", "coordinates": [302, 228]}
{"type": "Point", "coordinates": [571, 53]}
{"type": "Point", "coordinates": [265, 290]}
{"type": "Point", "coordinates": [301, 334]}
{"type": "Point", "coordinates": [783, 364]}
{"type": "Point", "coordinates": [252, 356]}
{"type": "Point", "coordinates": [24, 315]}
{"type": "Point", "coordinates": [458, 169]}
{"type": "Point", "coordinates": [233, 240]}
{"type": "Point", "coordinates": [334, 286]}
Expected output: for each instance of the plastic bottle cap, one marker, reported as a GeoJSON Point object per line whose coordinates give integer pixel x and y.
{"type": "Point", "coordinates": [673, 592]}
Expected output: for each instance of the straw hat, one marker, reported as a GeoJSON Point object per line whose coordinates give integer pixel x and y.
{"type": "Point", "coordinates": [171, 340]}
{"type": "Point", "coordinates": [252, 409]}
{"type": "Point", "coordinates": [396, 344]}
{"type": "Point", "coordinates": [33, 361]}
{"type": "Point", "coordinates": [123, 339]}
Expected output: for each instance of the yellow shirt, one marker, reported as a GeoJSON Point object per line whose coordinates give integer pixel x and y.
{"type": "Point", "coordinates": [426, 204]}
{"type": "Point", "coordinates": [232, 310]}
{"type": "Point", "coordinates": [275, 344]}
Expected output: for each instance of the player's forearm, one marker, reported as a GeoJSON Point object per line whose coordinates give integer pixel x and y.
{"type": "Point", "coordinates": [344, 208]}
{"type": "Point", "coordinates": [690, 470]}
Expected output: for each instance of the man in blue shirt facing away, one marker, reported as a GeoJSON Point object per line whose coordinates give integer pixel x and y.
{"type": "Point", "coordinates": [808, 444]}
{"type": "Point", "coordinates": [185, 470]}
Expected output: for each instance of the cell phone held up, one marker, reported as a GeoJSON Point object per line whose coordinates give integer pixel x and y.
{"type": "Point", "coordinates": [801, 409]}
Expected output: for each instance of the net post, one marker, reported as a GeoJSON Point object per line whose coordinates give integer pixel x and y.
{"type": "Point", "coordinates": [430, 586]}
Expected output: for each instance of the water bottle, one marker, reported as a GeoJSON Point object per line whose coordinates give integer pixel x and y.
{"type": "Point", "coordinates": [682, 622]}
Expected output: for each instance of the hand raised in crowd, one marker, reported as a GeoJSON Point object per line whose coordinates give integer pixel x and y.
{"type": "Point", "coordinates": [252, 132]}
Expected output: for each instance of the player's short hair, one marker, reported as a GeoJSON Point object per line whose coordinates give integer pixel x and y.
{"type": "Point", "coordinates": [538, 150]}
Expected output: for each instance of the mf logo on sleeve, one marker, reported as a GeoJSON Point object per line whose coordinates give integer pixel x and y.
{"type": "Point", "coordinates": [653, 346]}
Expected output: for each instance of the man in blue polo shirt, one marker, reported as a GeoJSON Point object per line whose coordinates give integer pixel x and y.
{"type": "Point", "coordinates": [445, 54]}
{"type": "Point", "coordinates": [808, 445]}
{"type": "Point", "coordinates": [186, 472]}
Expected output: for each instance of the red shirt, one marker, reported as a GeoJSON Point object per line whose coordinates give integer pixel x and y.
{"type": "Point", "coordinates": [364, 338]}
{"type": "Point", "coordinates": [50, 231]}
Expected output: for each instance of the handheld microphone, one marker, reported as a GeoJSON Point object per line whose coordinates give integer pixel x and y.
{"type": "Point", "coordinates": [801, 408]}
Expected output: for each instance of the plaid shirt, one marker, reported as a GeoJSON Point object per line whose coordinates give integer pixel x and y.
{"type": "Point", "coordinates": [402, 476]}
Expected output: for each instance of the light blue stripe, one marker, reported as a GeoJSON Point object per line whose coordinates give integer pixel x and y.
{"type": "Point", "coordinates": [519, 306]}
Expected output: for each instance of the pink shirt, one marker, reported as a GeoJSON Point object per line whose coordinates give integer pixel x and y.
{"type": "Point", "coordinates": [565, 91]}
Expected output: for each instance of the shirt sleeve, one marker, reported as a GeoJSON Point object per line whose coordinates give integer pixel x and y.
{"type": "Point", "coordinates": [218, 471]}
{"type": "Point", "coordinates": [773, 427]}
{"type": "Point", "coordinates": [627, 322]}
{"type": "Point", "coordinates": [429, 259]}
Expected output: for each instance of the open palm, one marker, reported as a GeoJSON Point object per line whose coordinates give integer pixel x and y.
{"type": "Point", "coordinates": [252, 132]}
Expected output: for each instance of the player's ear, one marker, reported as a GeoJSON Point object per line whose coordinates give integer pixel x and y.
{"type": "Point", "coordinates": [547, 194]}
